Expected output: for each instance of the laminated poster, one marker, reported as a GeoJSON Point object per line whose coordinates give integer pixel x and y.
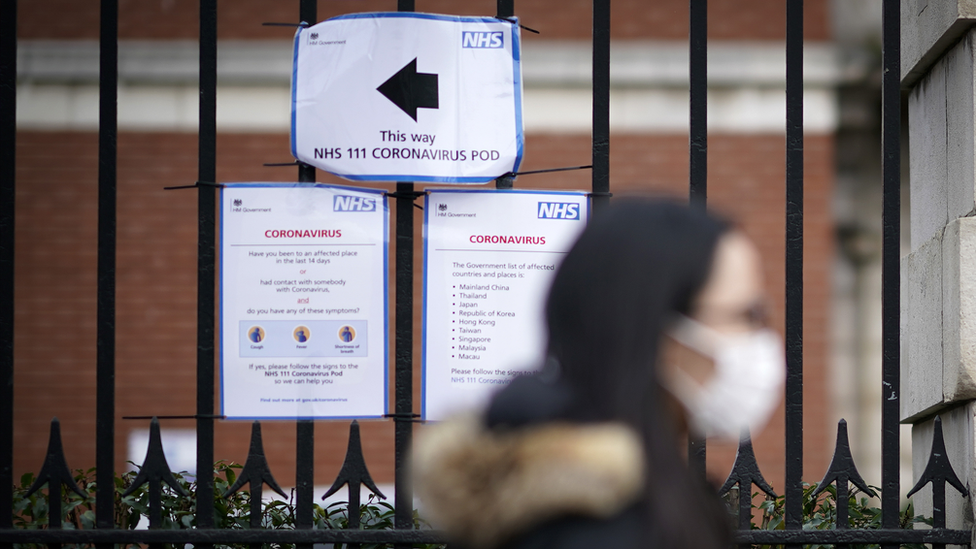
{"type": "Point", "coordinates": [408, 97]}
{"type": "Point", "coordinates": [303, 301]}
{"type": "Point", "coordinates": [489, 257]}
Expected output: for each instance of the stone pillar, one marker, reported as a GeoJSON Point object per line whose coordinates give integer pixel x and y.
{"type": "Point", "coordinates": [938, 368]}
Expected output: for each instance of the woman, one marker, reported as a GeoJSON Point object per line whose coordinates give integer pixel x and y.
{"type": "Point", "coordinates": [586, 453]}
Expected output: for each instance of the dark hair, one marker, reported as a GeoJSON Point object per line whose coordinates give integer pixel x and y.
{"type": "Point", "coordinates": [635, 265]}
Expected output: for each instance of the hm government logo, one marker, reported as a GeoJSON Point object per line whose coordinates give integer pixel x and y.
{"type": "Point", "coordinates": [312, 39]}
{"type": "Point", "coordinates": [442, 207]}
{"type": "Point", "coordinates": [482, 40]}
{"type": "Point", "coordinates": [347, 203]}
{"type": "Point", "coordinates": [238, 202]}
{"type": "Point", "coordinates": [559, 210]}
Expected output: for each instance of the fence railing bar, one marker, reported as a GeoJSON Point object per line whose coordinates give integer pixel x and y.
{"type": "Point", "coordinates": [199, 536]}
{"type": "Point", "coordinates": [601, 105]}
{"type": "Point", "coordinates": [194, 416]}
{"type": "Point", "coordinates": [505, 9]}
{"type": "Point", "coordinates": [698, 101]}
{"type": "Point", "coordinates": [206, 259]}
{"type": "Point", "coordinates": [890, 269]}
{"type": "Point", "coordinates": [403, 430]}
{"type": "Point", "coordinates": [8, 174]}
{"type": "Point", "coordinates": [304, 474]}
{"type": "Point", "coordinates": [794, 264]}
{"type": "Point", "coordinates": [697, 154]}
{"type": "Point", "coordinates": [305, 429]}
{"type": "Point", "coordinates": [894, 536]}
{"type": "Point", "coordinates": [403, 346]}
{"type": "Point", "coordinates": [105, 330]}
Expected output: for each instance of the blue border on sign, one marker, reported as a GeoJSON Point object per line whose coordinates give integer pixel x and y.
{"type": "Point", "coordinates": [415, 178]}
{"type": "Point", "coordinates": [517, 81]}
{"type": "Point", "coordinates": [423, 315]}
{"type": "Point", "coordinates": [418, 15]}
{"type": "Point", "coordinates": [294, 91]}
{"type": "Point", "coordinates": [423, 345]}
{"type": "Point", "coordinates": [386, 285]}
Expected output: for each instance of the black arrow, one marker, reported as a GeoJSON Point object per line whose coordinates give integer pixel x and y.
{"type": "Point", "coordinates": [410, 90]}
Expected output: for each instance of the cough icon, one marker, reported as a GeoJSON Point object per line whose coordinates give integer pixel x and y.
{"type": "Point", "coordinates": [255, 334]}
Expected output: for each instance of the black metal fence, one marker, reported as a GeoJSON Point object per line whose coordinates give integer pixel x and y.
{"type": "Point", "coordinates": [154, 472]}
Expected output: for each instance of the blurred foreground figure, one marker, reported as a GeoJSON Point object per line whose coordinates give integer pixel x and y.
{"type": "Point", "coordinates": [655, 323]}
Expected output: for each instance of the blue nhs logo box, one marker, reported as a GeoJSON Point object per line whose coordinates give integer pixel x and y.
{"type": "Point", "coordinates": [346, 203]}
{"type": "Point", "coordinates": [482, 40]}
{"type": "Point", "coordinates": [559, 210]}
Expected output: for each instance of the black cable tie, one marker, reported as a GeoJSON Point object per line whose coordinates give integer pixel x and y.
{"type": "Point", "coordinates": [196, 416]}
{"type": "Point", "coordinates": [280, 164]}
{"type": "Point", "coordinates": [521, 26]}
{"type": "Point", "coordinates": [549, 170]}
{"type": "Point", "coordinates": [412, 418]}
{"type": "Point", "coordinates": [599, 193]}
{"type": "Point", "coordinates": [303, 24]}
{"type": "Point", "coordinates": [195, 185]}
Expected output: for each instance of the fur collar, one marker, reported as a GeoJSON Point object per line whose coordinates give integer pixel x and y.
{"type": "Point", "coordinates": [483, 487]}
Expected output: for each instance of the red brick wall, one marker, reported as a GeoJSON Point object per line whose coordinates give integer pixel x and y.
{"type": "Point", "coordinates": [156, 337]}
{"type": "Point", "coordinates": [241, 19]}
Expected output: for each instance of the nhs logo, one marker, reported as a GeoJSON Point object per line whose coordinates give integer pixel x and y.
{"type": "Point", "coordinates": [559, 210]}
{"type": "Point", "coordinates": [482, 40]}
{"type": "Point", "coordinates": [345, 203]}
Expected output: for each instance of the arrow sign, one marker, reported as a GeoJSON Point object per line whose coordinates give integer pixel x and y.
{"type": "Point", "coordinates": [411, 90]}
{"type": "Point", "coordinates": [356, 75]}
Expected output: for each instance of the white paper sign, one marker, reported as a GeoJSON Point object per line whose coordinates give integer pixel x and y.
{"type": "Point", "coordinates": [489, 257]}
{"type": "Point", "coordinates": [303, 310]}
{"type": "Point", "coordinates": [408, 97]}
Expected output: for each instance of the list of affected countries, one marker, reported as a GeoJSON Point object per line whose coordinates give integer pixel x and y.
{"type": "Point", "coordinates": [489, 309]}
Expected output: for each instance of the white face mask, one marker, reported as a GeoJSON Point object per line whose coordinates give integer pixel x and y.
{"type": "Point", "coordinates": [745, 388]}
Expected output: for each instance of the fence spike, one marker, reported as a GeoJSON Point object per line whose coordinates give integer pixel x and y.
{"type": "Point", "coordinates": [155, 471]}
{"type": "Point", "coordinates": [55, 467]}
{"type": "Point", "coordinates": [354, 473]}
{"type": "Point", "coordinates": [256, 473]}
{"type": "Point", "coordinates": [354, 470]}
{"type": "Point", "coordinates": [256, 470]}
{"type": "Point", "coordinates": [842, 468]}
{"type": "Point", "coordinates": [154, 468]}
{"type": "Point", "coordinates": [842, 471]}
{"type": "Point", "coordinates": [939, 471]}
{"type": "Point", "coordinates": [745, 472]}
{"type": "Point", "coordinates": [55, 473]}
